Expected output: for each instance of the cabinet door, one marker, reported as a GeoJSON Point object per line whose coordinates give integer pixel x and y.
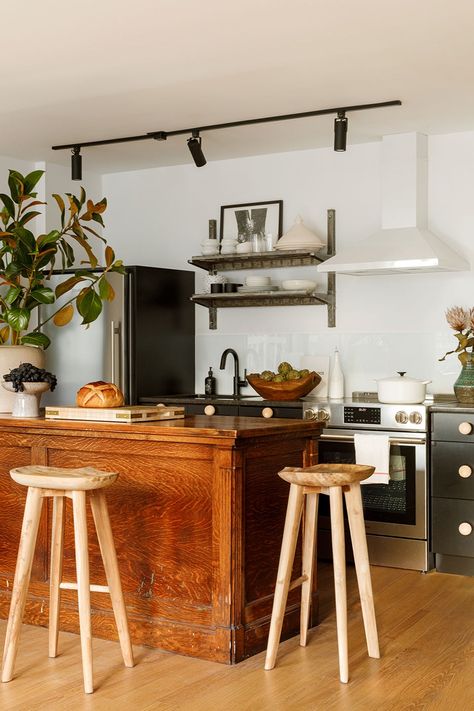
{"type": "Point", "coordinates": [452, 518]}
{"type": "Point", "coordinates": [452, 470]}
{"type": "Point", "coordinates": [448, 426]}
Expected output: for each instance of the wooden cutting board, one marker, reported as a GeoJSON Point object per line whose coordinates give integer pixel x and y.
{"type": "Point", "coordinates": [127, 413]}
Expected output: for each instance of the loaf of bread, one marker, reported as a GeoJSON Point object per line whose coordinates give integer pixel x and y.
{"type": "Point", "coordinates": [99, 394]}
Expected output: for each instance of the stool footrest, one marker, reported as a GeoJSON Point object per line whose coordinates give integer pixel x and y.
{"type": "Point", "coordinates": [298, 581]}
{"type": "Point", "coordinates": [92, 588]}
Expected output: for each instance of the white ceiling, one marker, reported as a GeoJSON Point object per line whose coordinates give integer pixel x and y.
{"type": "Point", "coordinates": [73, 72]}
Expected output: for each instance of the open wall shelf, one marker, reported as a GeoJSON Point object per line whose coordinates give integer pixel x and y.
{"type": "Point", "coordinates": [269, 260]}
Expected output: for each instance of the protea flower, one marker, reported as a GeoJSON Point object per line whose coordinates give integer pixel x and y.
{"type": "Point", "coordinates": [459, 318]}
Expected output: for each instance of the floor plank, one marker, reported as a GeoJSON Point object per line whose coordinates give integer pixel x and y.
{"type": "Point", "coordinates": [426, 631]}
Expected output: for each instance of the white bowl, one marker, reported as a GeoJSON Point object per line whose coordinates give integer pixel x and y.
{"type": "Point", "coordinates": [298, 284]}
{"type": "Point", "coordinates": [207, 251]}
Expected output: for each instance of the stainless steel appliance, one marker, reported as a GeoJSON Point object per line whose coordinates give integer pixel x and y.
{"type": "Point", "coordinates": [143, 340]}
{"type": "Point", "coordinates": [396, 514]}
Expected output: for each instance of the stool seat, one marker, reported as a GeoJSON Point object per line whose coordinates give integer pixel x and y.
{"type": "Point", "coordinates": [324, 475]}
{"type": "Point", "coordinates": [63, 478]}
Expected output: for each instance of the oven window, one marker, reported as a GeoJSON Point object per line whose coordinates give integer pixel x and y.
{"type": "Point", "coordinates": [393, 502]}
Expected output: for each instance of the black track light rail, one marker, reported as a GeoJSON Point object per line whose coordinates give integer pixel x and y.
{"type": "Point", "coordinates": [163, 135]}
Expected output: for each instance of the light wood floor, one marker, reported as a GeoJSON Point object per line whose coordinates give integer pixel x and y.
{"type": "Point", "coordinates": [426, 629]}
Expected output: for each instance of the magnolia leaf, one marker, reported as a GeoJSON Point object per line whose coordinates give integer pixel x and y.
{"type": "Point", "coordinates": [15, 183]}
{"type": "Point", "coordinates": [62, 207]}
{"type": "Point", "coordinates": [82, 198]}
{"type": "Point", "coordinates": [106, 290]}
{"type": "Point", "coordinates": [67, 285]}
{"type": "Point", "coordinates": [35, 338]}
{"type": "Point", "coordinates": [97, 218]}
{"type": "Point", "coordinates": [28, 216]}
{"type": "Point", "coordinates": [9, 204]}
{"type": "Point", "coordinates": [52, 236]}
{"type": "Point", "coordinates": [32, 179]}
{"type": "Point", "coordinates": [4, 334]}
{"type": "Point", "coordinates": [89, 306]}
{"type": "Point", "coordinates": [109, 256]}
{"type": "Point", "coordinates": [64, 315]}
{"type": "Point", "coordinates": [43, 294]}
{"type": "Point", "coordinates": [72, 204]}
{"type": "Point", "coordinates": [18, 319]}
{"type": "Point", "coordinates": [96, 234]}
{"type": "Point", "coordinates": [12, 294]}
{"type": "Point", "coordinates": [93, 261]}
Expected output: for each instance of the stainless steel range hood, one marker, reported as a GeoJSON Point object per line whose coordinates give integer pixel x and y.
{"type": "Point", "coordinates": [404, 244]}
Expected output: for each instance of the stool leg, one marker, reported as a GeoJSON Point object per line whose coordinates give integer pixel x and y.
{"type": "Point", "coordinates": [309, 562]}
{"type": "Point", "coordinates": [339, 560]}
{"type": "Point", "coordinates": [361, 558]}
{"type": "Point", "coordinates": [29, 532]}
{"type": "Point", "coordinates": [56, 569]}
{"type": "Point", "coordinates": [83, 585]}
{"type": "Point", "coordinates": [109, 556]}
{"type": "Point", "coordinates": [287, 555]}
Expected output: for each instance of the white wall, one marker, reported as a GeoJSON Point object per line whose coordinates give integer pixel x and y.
{"type": "Point", "coordinates": [384, 324]}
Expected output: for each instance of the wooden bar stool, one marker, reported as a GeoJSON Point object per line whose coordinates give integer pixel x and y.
{"type": "Point", "coordinates": [330, 479]}
{"type": "Point", "coordinates": [58, 483]}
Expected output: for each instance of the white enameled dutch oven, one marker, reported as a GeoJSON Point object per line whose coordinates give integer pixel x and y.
{"type": "Point", "coordinates": [401, 390]}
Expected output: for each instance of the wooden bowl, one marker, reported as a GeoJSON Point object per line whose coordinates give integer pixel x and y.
{"type": "Point", "coordinates": [288, 390]}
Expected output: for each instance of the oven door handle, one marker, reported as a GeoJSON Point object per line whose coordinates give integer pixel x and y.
{"type": "Point", "coordinates": [350, 438]}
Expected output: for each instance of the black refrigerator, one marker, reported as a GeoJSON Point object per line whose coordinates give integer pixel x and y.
{"type": "Point", "coordinates": [143, 341]}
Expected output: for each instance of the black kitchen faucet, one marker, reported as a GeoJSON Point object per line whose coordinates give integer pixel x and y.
{"type": "Point", "coordinates": [238, 383]}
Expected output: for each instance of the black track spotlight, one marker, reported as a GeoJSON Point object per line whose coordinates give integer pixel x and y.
{"type": "Point", "coordinates": [340, 132]}
{"type": "Point", "coordinates": [194, 145]}
{"type": "Point", "coordinates": [76, 163]}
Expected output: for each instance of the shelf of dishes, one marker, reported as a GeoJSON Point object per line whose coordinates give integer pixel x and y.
{"type": "Point", "coordinates": [261, 260]}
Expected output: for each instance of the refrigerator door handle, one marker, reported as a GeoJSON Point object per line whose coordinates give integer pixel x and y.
{"type": "Point", "coordinates": [116, 350]}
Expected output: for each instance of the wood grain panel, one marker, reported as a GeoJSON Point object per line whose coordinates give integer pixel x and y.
{"type": "Point", "coordinates": [197, 514]}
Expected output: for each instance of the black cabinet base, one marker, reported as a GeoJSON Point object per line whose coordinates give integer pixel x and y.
{"type": "Point", "coordinates": [455, 564]}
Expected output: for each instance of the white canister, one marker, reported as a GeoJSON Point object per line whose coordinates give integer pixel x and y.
{"type": "Point", "coordinates": [336, 379]}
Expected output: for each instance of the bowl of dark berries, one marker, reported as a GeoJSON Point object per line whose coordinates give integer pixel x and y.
{"type": "Point", "coordinates": [29, 383]}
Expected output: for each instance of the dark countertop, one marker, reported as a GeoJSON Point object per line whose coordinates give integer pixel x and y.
{"type": "Point", "coordinates": [452, 406]}
{"type": "Point", "coordinates": [218, 400]}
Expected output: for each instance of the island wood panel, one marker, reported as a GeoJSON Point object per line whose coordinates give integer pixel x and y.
{"type": "Point", "coordinates": [187, 522]}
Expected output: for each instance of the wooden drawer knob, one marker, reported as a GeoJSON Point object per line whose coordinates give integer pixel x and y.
{"type": "Point", "coordinates": [465, 471]}
{"type": "Point", "coordinates": [465, 428]}
{"type": "Point", "coordinates": [267, 412]}
{"type": "Point", "coordinates": [465, 528]}
{"type": "Point", "coordinates": [209, 410]}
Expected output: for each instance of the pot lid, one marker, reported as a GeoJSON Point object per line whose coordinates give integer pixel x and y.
{"type": "Point", "coordinates": [299, 234]}
{"type": "Point", "coordinates": [402, 378]}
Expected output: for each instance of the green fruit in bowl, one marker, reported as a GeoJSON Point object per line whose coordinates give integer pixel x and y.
{"type": "Point", "coordinates": [284, 368]}
{"type": "Point", "coordinates": [267, 375]}
{"type": "Point", "coordinates": [304, 372]}
{"type": "Point", "coordinates": [294, 375]}
{"type": "Point", "coordinates": [278, 379]}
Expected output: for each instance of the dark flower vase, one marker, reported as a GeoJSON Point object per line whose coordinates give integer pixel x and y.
{"type": "Point", "coordinates": [464, 385]}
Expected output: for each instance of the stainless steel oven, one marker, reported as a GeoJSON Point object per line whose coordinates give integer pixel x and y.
{"type": "Point", "coordinates": [396, 514]}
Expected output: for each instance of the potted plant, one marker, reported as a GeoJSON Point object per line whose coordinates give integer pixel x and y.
{"type": "Point", "coordinates": [27, 262]}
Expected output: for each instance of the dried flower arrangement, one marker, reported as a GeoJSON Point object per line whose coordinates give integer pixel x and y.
{"type": "Point", "coordinates": [462, 321]}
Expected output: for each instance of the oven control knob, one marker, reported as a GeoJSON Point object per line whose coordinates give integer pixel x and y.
{"type": "Point", "coordinates": [465, 528]}
{"type": "Point", "coordinates": [310, 414]}
{"type": "Point", "coordinates": [318, 415]}
{"type": "Point", "coordinates": [401, 417]}
{"type": "Point", "coordinates": [465, 471]}
{"type": "Point", "coordinates": [416, 418]}
{"type": "Point", "coordinates": [267, 412]}
{"type": "Point", "coordinates": [209, 410]}
{"type": "Point", "coordinates": [465, 428]}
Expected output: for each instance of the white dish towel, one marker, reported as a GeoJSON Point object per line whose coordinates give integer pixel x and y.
{"type": "Point", "coordinates": [374, 451]}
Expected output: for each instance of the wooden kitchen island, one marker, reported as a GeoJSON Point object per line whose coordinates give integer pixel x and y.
{"type": "Point", "coordinates": [197, 514]}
